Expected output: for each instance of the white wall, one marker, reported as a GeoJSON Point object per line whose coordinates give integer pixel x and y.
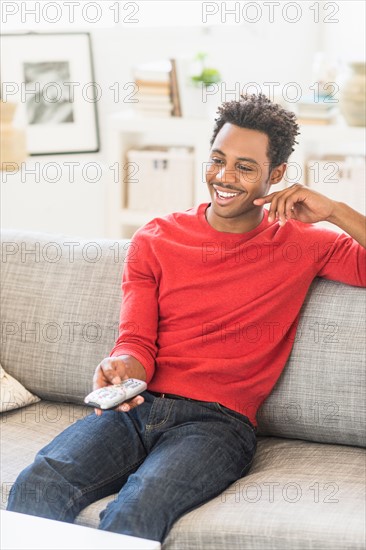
{"type": "Point", "coordinates": [265, 51]}
{"type": "Point", "coordinates": [346, 40]}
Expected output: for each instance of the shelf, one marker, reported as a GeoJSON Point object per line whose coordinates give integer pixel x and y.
{"type": "Point", "coordinates": [131, 122]}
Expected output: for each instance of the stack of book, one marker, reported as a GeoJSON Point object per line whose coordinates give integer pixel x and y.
{"type": "Point", "coordinates": [157, 89]}
{"type": "Point", "coordinates": [320, 112]}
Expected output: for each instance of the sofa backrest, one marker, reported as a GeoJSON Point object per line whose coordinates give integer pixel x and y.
{"type": "Point", "coordinates": [60, 307]}
{"type": "Point", "coordinates": [60, 310]}
{"type": "Point", "coordinates": [321, 394]}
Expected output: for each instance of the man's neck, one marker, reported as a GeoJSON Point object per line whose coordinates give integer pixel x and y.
{"type": "Point", "coordinates": [247, 222]}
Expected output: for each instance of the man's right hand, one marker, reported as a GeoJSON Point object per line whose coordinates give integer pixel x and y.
{"type": "Point", "coordinates": [113, 370]}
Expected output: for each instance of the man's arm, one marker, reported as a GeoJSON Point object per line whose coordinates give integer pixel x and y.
{"type": "Point", "coordinates": [308, 206]}
{"type": "Point", "coordinates": [351, 221]}
{"type": "Point", "coordinates": [133, 355]}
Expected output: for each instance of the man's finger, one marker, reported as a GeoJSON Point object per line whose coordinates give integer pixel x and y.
{"type": "Point", "coordinates": [265, 199]}
{"type": "Point", "coordinates": [131, 404]}
{"type": "Point", "coordinates": [110, 372]}
{"type": "Point", "coordinates": [98, 378]}
{"type": "Point", "coordinates": [288, 191]}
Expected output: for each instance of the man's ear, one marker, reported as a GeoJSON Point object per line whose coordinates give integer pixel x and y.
{"type": "Point", "coordinates": [277, 173]}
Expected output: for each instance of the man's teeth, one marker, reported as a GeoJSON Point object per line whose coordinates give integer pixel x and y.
{"type": "Point", "coordinates": [223, 194]}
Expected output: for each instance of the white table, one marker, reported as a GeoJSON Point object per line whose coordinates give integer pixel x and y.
{"type": "Point", "coordinates": [24, 532]}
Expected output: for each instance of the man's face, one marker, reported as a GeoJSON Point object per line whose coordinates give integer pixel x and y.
{"type": "Point", "coordinates": [238, 166]}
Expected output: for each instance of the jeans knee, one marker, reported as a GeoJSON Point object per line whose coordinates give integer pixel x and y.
{"type": "Point", "coordinates": [131, 520]}
{"type": "Point", "coordinates": [138, 511]}
{"type": "Point", "coordinates": [40, 491]}
{"type": "Point", "coordinates": [26, 488]}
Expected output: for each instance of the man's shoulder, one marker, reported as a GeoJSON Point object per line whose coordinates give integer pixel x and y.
{"type": "Point", "coordinates": [307, 232]}
{"type": "Point", "coordinates": [168, 223]}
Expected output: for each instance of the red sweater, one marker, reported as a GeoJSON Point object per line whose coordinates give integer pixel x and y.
{"type": "Point", "coordinates": [212, 315]}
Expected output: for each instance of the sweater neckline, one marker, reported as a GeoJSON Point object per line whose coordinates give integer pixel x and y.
{"type": "Point", "coordinates": [227, 234]}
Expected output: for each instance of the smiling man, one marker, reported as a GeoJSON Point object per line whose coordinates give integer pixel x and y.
{"type": "Point", "coordinates": [211, 301]}
{"type": "Point", "coordinates": [239, 171]}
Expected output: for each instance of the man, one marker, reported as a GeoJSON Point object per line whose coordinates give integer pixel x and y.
{"type": "Point", "coordinates": [211, 299]}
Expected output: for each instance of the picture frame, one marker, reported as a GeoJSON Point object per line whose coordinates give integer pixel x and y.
{"type": "Point", "coordinates": [51, 78]}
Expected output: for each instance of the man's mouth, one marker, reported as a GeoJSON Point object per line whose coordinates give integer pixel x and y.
{"type": "Point", "coordinates": [225, 196]}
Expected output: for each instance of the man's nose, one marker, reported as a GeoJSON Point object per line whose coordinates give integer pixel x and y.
{"type": "Point", "coordinates": [227, 175]}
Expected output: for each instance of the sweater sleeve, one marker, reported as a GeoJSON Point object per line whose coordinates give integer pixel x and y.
{"type": "Point", "coordinates": [345, 261]}
{"type": "Point", "coordinates": [139, 308]}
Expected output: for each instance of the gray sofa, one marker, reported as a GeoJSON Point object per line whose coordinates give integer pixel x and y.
{"type": "Point", "coordinates": [60, 310]}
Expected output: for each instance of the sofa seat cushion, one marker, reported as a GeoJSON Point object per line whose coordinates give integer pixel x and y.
{"type": "Point", "coordinates": [298, 495]}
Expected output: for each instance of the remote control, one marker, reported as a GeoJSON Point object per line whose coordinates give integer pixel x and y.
{"type": "Point", "coordinates": [111, 396]}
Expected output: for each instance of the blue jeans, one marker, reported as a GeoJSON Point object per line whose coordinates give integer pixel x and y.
{"type": "Point", "coordinates": [163, 459]}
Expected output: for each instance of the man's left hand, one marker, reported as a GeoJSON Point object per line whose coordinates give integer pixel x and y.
{"type": "Point", "coordinates": [298, 203]}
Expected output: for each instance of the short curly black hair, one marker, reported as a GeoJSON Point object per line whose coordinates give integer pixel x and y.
{"type": "Point", "coordinates": [257, 112]}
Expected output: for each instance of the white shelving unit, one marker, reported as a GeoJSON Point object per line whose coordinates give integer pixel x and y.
{"type": "Point", "coordinates": [333, 139]}
{"type": "Point", "coordinates": [127, 130]}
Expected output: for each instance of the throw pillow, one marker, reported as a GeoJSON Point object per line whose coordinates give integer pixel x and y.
{"type": "Point", "coordinates": [13, 395]}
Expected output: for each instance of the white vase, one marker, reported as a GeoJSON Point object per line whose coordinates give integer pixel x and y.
{"type": "Point", "coordinates": [352, 97]}
{"type": "Point", "coordinates": [201, 102]}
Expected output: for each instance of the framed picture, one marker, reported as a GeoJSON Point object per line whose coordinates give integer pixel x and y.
{"type": "Point", "coordinates": [50, 76]}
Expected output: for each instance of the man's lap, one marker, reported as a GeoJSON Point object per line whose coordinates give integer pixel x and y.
{"type": "Point", "coordinates": [164, 447]}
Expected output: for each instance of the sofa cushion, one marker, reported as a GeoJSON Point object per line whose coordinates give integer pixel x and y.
{"type": "Point", "coordinates": [297, 495]}
{"type": "Point", "coordinates": [321, 394]}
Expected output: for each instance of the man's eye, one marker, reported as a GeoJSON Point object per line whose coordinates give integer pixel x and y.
{"type": "Point", "coordinates": [244, 168]}
{"type": "Point", "coordinates": [217, 161]}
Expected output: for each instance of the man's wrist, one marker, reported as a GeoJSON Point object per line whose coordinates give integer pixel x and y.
{"type": "Point", "coordinates": [338, 213]}
{"type": "Point", "coordinates": [134, 369]}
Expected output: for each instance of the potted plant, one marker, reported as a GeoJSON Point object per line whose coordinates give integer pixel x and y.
{"type": "Point", "coordinates": [205, 92]}
{"type": "Point", "coordinates": [207, 75]}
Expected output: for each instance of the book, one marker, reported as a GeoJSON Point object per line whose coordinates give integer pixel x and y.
{"type": "Point", "coordinates": [153, 113]}
{"type": "Point", "coordinates": [315, 114]}
{"type": "Point", "coordinates": [155, 71]}
{"type": "Point", "coordinates": [315, 121]}
{"type": "Point", "coordinates": [151, 90]}
{"type": "Point", "coordinates": [177, 109]}
{"type": "Point", "coordinates": [158, 92]}
{"type": "Point", "coordinates": [312, 109]}
{"type": "Point", "coordinates": [182, 69]}
{"type": "Point", "coordinates": [153, 83]}
{"type": "Point", "coordinates": [154, 107]}
{"type": "Point", "coordinates": [154, 99]}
